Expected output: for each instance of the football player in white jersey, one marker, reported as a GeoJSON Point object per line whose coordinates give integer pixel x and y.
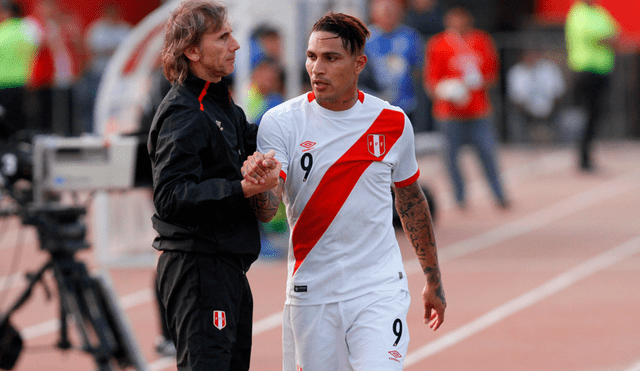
{"type": "Point", "coordinates": [342, 152]}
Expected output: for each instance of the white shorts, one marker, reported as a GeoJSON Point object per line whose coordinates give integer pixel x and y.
{"type": "Point", "coordinates": [368, 333]}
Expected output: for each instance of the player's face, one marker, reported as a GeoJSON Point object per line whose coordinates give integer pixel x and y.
{"type": "Point", "coordinates": [214, 58]}
{"type": "Point", "coordinates": [333, 71]}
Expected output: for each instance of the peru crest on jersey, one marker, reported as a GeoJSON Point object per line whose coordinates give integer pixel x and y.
{"type": "Point", "coordinates": [376, 144]}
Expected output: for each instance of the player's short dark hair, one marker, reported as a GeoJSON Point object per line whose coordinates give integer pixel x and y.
{"type": "Point", "coordinates": [187, 24]}
{"type": "Point", "coordinates": [351, 30]}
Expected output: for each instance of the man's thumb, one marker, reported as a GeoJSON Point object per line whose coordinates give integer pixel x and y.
{"type": "Point", "coordinates": [269, 155]}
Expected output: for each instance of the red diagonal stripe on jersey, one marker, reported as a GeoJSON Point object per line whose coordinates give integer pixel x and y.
{"type": "Point", "coordinates": [337, 184]}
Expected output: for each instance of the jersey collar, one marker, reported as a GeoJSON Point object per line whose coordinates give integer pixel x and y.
{"type": "Point", "coordinates": [311, 96]}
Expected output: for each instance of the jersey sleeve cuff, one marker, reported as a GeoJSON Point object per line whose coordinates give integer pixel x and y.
{"type": "Point", "coordinates": [408, 181]}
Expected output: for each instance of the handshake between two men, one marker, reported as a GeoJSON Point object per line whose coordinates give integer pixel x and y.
{"type": "Point", "coordinates": [261, 173]}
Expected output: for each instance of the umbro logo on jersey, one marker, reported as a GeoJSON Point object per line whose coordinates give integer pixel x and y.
{"type": "Point", "coordinates": [219, 319]}
{"type": "Point", "coordinates": [395, 355]}
{"type": "Point", "coordinates": [219, 125]}
{"type": "Point", "coordinates": [307, 145]}
{"type": "Point", "coordinates": [376, 144]}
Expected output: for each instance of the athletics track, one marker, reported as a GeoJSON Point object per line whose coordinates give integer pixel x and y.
{"type": "Point", "coordinates": [551, 284]}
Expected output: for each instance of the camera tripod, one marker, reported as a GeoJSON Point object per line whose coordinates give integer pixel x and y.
{"type": "Point", "coordinates": [90, 300]}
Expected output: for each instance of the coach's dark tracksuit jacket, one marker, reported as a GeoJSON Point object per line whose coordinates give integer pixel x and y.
{"type": "Point", "coordinates": [197, 144]}
{"type": "Point", "coordinates": [206, 228]}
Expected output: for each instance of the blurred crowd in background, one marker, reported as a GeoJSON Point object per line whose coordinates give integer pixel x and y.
{"type": "Point", "coordinates": [542, 85]}
{"type": "Point", "coordinates": [53, 54]}
{"type": "Point", "coordinates": [55, 62]}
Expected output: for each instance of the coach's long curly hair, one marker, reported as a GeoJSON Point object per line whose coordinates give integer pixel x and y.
{"type": "Point", "coordinates": [188, 23]}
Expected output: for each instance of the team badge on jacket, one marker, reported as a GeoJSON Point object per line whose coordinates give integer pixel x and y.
{"type": "Point", "coordinates": [376, 144]}
{"type": "Point", "coordinates": [219, 319]}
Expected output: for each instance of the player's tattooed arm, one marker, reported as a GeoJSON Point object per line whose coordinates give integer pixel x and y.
{"type": "Point", "coordinates": [413, 210]}
{"type": "Point", "coordinates": [265, 205]}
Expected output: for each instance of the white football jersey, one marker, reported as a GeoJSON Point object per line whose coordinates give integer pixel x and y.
{"type": "Point", "coordinates": [338, 169]}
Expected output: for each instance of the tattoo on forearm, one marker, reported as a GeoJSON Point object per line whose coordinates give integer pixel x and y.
{"type": "Point", "coordinates": [265, 205]}
{"type": "Point", "coordinates": [433, 278]}
{"type": "Point", "coordinates": [413, 210]}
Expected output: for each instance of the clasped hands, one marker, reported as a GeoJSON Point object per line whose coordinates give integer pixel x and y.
{"type": "Point", "coordinates": [260, 172]}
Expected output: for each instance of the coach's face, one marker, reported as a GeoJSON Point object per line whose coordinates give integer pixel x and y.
{"type": "Point", "coordinates": [214, 58]}
{"type": "Point", "coordinates": [333, 71]}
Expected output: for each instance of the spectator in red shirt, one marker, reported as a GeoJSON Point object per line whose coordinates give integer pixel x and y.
{"type": "Point", "coordinates": [58, 63]}
{"type": "Point", "coordinates": [462, 64]}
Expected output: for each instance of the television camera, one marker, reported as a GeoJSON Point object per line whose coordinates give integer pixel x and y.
{"type": "Point", "coordinates": [36, 172]}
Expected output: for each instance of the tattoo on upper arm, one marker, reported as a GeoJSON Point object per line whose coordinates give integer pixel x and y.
{"type": "Point", "coordinates": [413, 210]}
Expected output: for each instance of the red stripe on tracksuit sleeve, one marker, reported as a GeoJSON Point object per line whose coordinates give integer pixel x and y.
{"type": "Point", "coordinates": [338, 182]}
{"type": "Point", "coordinates": [202, 94]}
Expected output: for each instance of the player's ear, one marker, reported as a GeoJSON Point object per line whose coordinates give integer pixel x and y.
{"type": "Point", "coordinates": [361, 61]}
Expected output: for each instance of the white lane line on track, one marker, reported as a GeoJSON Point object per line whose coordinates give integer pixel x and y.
{"type": "Point", "coordinates": [268, 323]}
{"type": "Point", "coordinates": [559, 283]}
{"type": "Point", "coordinates": [132, 300]}
{"type": "Point", "coordinates": [634, 367]}
{"type": "Point", "coordinates": [538, 219]}
{"type": "Point", "coordinates": [162, 363]}
{"type": "Point", "coordinates": [544, 217]}
{"type": "Point", "coordinates": [135, 299]}
{"type": "Point", "coordinates": [541, 166]}
{"type": "Point", "coordinates": [47, 327]}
